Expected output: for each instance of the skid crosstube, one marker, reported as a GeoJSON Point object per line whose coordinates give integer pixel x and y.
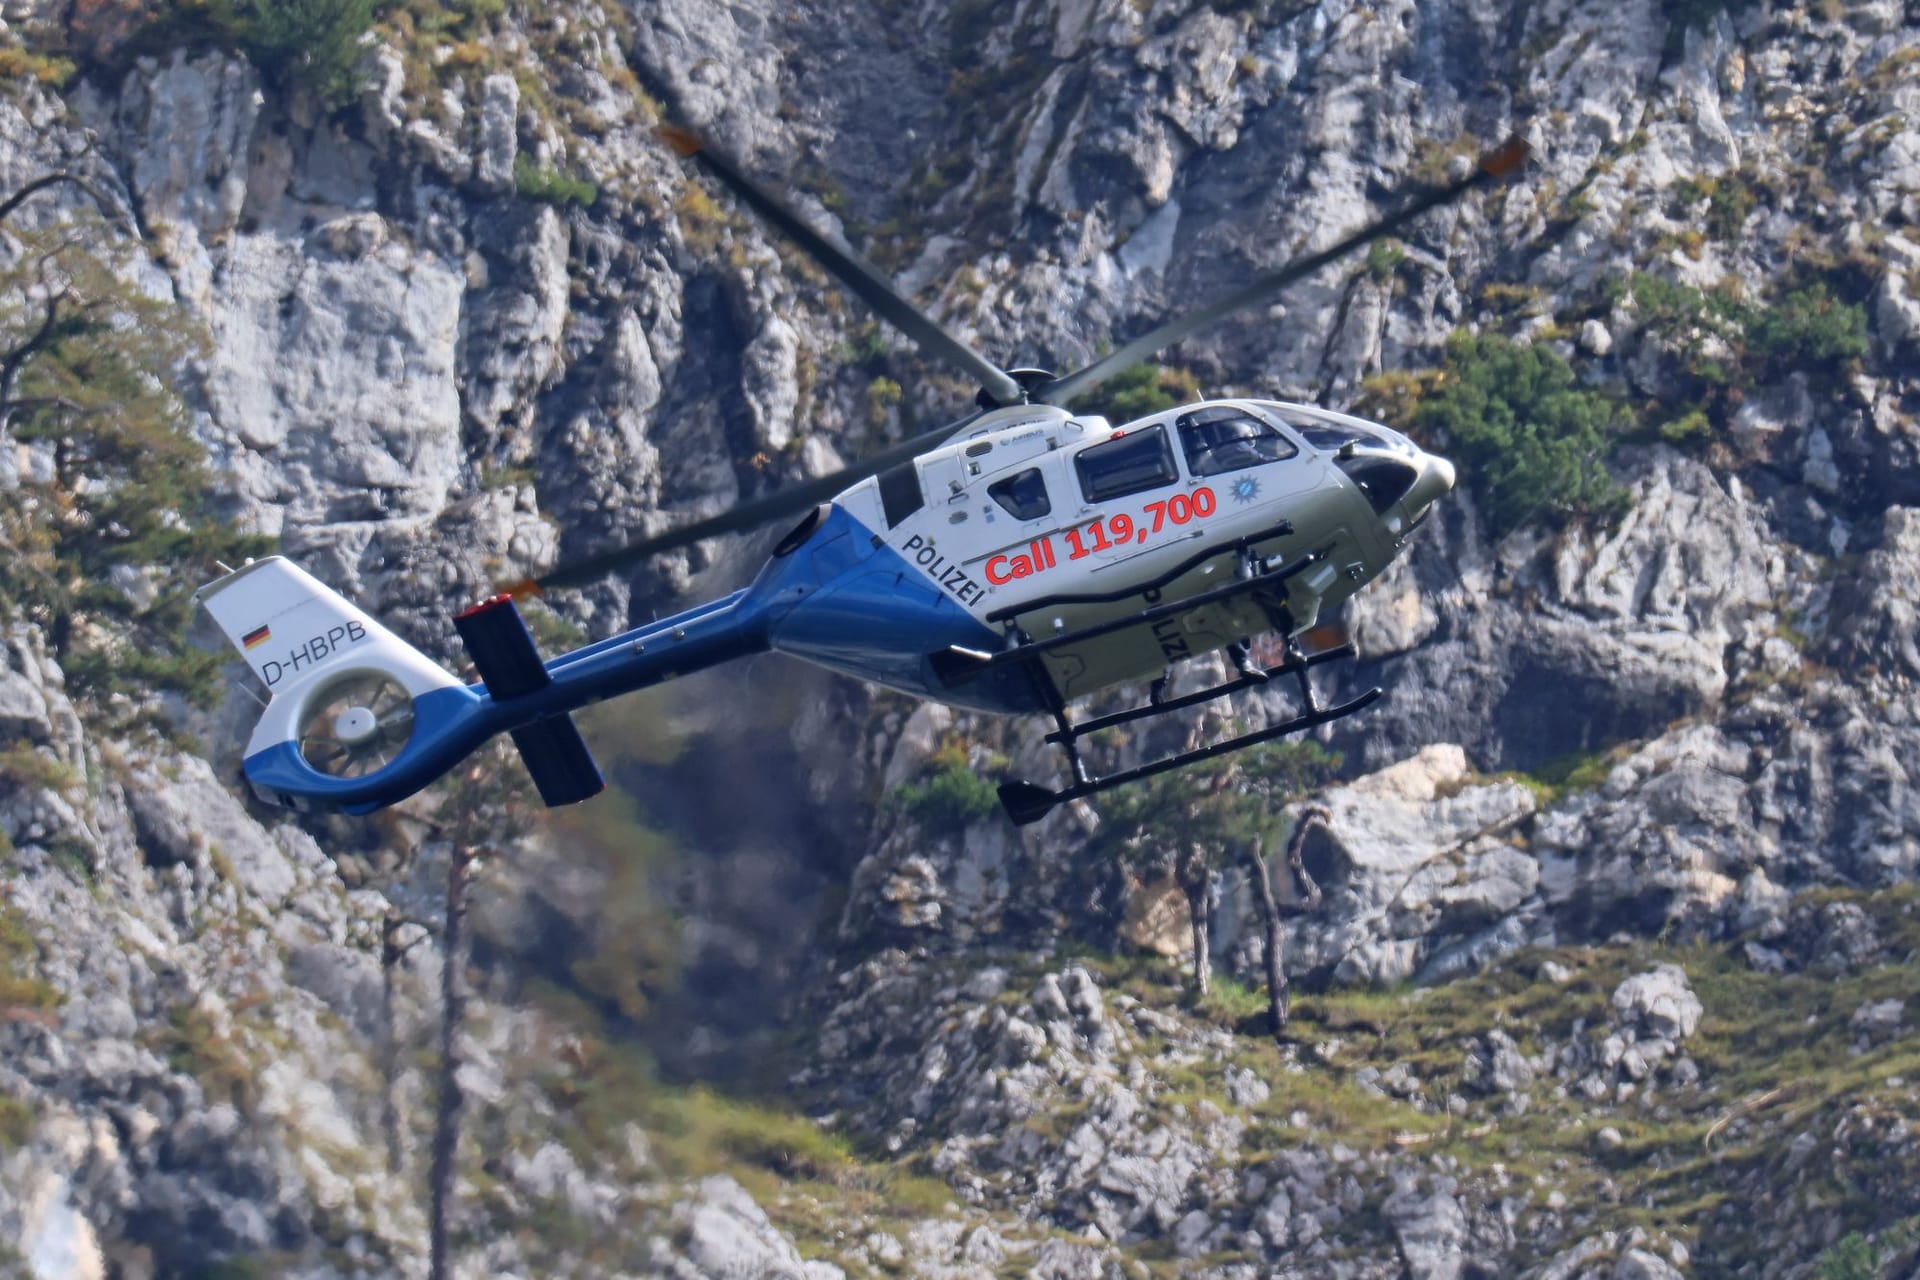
{"type": "Point", "coordinates": [1205, 695]}
{"type": "Point", "coordinates": [1026, 802]}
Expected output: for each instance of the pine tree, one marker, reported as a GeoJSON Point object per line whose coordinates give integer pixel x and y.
{"type": "Point", "coordinates": [105, 541]}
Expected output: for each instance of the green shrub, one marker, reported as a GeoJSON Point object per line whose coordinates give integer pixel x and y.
{"type": "Point", "coordinates": [536, 183]}
{"type": "Point", "coordinates": [950, 798]}
{"type": "Point", "coordinates": [1725, 346]}
{"type": "Point", "coordinates": [1690, 428]}
{"type": "Point", "coordinates": [1853, 1258]}
{"type": "Point", "coordinates": [314, 43]}
{"type": "Point", "coordinates": [1730, 200]}
{"type": "Point", "coordinates": [1139, 391]}
{"type": "Point", "coordinates": [52, 72]}
{"type": "Point", "coordinates": [245, 1266]}
{"type": "Point", "coordinates": [1807, 328]}
{"type": "Point", "coordinates": [865, 346]}
{"type": "Point", "coordinates": [883, 396]}
{"type": "Point", "coordinates": [1384, 258]}
{"type": "Point", "coordinates": [1531, 441]}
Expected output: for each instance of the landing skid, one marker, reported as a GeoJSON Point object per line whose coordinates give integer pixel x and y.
{"type": "Point", "coordinates": [1027, 803]}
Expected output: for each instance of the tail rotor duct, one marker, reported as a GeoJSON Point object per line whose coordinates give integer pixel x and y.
{"type": "Point", "coordinates": [357, 725]}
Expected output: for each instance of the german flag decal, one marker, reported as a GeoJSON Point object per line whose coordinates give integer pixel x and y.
{"type": "Point", "coordinates": [258, 636]}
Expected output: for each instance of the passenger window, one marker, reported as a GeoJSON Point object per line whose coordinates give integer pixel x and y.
{"type": "Point", "coordinates": [900, 492]}
{"type": "Point", "coordinates": [1222, 439]}
{"type": "Point", "coordinates": [1023, 495]}
{"type": "Point", "coordinates": [1137, 461]}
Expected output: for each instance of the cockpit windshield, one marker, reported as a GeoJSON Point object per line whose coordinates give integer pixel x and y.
{"type": "Point", "coordinates": [1327, 434]}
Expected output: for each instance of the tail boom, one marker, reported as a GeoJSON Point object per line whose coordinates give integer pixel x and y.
{"type": "Point", "coordinates": [306, 644]}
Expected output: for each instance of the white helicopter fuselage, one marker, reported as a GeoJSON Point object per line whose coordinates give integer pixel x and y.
{"type": "Point", "coordinates": [1041, 523]}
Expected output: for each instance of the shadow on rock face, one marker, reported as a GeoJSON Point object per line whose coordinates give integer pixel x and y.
{"type": "Point", "coordinates": [1560, 703]}
{"type": "Point", "coordinates": [760, 871]}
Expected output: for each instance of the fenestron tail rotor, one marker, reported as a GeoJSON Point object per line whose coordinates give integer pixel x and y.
{"type": "Point", "coordinates": [356, 725]}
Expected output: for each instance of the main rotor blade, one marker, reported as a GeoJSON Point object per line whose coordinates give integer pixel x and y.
{"type": "Point", "coordinates": [747, 515]}
{"type": "Point", "coordinates": [1499, 163]}
{"type": "Point", "coordinates": [850, 270]}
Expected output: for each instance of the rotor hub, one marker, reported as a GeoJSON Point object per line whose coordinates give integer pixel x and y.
{"type": "Point", "coordinates": [1030, 381]}
{"type": "Point", "coordinates": [355, 725]}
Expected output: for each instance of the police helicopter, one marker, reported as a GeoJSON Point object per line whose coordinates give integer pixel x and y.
{"type": "Point", "coordinates": [1014, 561]}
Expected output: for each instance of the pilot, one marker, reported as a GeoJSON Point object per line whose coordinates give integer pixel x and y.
{"type": "Point", "coordinates": [1235, 451]}
{"type": "Point", "coordinates": [1222, 440]}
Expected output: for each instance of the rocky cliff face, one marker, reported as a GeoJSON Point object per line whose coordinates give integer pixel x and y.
{"type": "Point", "coordinates": [1635, 815]}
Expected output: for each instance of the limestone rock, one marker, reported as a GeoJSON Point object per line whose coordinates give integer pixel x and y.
{"type": "Point", "coordinates": [498, 132]}
{"type": "Point", "coordinates": [1659, 1002]}
{"type": "Point", "coordinates": [334, 382]}
{"type": "Point", "coordinates": [1879, 1020]}
{"type": "Point", "coordinates": [1412, 862]}
{"type": "Point", "coordinates": [1432, 1231]}
{"type": "Point", "coordinates": [728, 1237]}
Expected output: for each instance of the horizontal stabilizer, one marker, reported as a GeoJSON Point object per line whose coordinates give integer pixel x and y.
{"type": "Point", "coordinates": [502, 650]}
{"type": "Point", "coordinates": [557, 757]}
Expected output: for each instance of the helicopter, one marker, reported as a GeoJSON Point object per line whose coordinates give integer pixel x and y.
{"type": "Point", "coordinates": [1015, 561]}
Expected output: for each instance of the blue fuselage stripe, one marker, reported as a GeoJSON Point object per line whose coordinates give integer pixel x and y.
{"type": "Point", "coordinates": [843, 599]}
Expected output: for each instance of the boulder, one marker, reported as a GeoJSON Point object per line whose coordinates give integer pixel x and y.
{"type": "Point", "coordinates": [1659, 1003]}
{"type": "Point", "coordinates": [1413, 862]}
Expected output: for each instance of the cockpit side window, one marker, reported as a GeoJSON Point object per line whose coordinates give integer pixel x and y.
{"type": "Point", "coordinates": [1023, 494]}
{"type": "Point", "coordinates": [1222, 439]}
{"type": "Point", "coordinates": [1138, 461]}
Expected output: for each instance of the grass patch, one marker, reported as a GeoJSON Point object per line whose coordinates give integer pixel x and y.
{"type": "Point", "coordinates": [783, 1159]}
{"type": "Point", "coordinates": [32, 769]}
{"type": "Point", "coordinates": [17, 1123]}
{"type": "Point", "coordinates": [21, 991]}
{"type": "Point", "coordinates": [1568, 775]}
{"type": "Point", "coordinates": [193, 1043]}
{"type": "Point", "coordinates": [1233, 1004]}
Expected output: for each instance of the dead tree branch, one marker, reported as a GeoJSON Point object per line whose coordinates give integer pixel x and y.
{"type": "Point", "coordinates": [446, 1127]}
{"type": "Point", "coordinates": [107, 207]}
